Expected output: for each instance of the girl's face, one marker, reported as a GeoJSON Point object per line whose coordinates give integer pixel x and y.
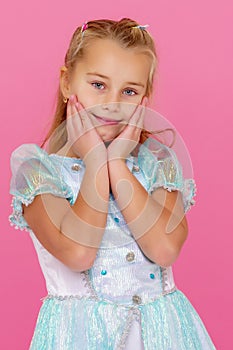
{"type": "Point", "coordinates": [109, 82]}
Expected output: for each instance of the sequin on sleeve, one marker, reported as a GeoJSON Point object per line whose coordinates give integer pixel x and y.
{"type": "Point", "coordinates": [162, 169]}
{"type": "Point", "coordinates": [33, 173]}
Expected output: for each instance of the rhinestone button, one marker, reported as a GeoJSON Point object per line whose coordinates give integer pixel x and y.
{"type": "Point", "coordinates": [76, 167]}
{"type": "Point", "coordinates": [136, 299]}
{"type": "Point", "coordinates": [136, 168]}
{"type": "Point", "coordinates": [116, 219]}
{"type": "Point", "coordinates": [130, 256]}
{"type": "Point", "coordinates": [103, 272]}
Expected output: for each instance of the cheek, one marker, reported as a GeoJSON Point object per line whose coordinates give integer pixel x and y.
{"type": "Point", "coordinates": [128, 109]}
{"type": "Point", "coordinates": [80, 90]}
{"type": "Point", "coordinates": [83, 98]}
{"type": "Point", "coordinates": [86, 98]}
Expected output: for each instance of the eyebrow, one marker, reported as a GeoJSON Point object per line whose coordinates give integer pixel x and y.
{"type": "Point", "coordinates": [105, 77]}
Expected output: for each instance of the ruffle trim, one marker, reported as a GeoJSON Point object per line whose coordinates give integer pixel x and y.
{"type": "Point", "coordinates": [161, 168]}
{"type": "Point", "coordinates": [188, 190]}
{"type": "Point", "coordinates": [16, 218]}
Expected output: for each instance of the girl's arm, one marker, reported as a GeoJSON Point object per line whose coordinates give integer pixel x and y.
{"type": "Point", "coordinates": [150, 217]}
{"type": "Point", "coordinates": [73, 233]}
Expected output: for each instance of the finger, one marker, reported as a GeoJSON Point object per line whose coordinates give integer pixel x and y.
{"type": "Point", "coordinates": [73, 123]}
{"type": "Point", "coordinates": [69, 116]}
{"type": "Point", "coordinates": [68, 109]}
{"type": "Point", "coordinates": [84, 116]}
{"type": "Point", "coordinates": [69, 125]}
{"type": "Point", "coordinates": [75, 110]}
{"type": "Point", "coordinates": [136, 119]}
{"type": "Point", "coordinates": [144, 101]}
{"type": "Point", "coordinates": [131, 121]}
{"type": "Point", "coordinates": [143, 106]}
{"type": "Point", "coordinates": [76, 120]}
{"type": "Point", "coordinates": [141, 112]}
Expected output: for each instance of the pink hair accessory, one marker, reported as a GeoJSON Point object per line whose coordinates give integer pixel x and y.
{"type": "Point", "coordinates": [84, 27]}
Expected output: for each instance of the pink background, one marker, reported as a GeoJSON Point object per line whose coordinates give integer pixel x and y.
{"type": "Point", "coordinates": [194, 91]}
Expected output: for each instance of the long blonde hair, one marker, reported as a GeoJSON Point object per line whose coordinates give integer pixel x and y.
{"type": "Point", "coordinates": [125, 32]}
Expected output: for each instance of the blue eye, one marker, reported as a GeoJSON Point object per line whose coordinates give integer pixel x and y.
{"type": "Point", "coordinates": [130, 92]}
{"type": "Point", "coordinates": [98, 86]}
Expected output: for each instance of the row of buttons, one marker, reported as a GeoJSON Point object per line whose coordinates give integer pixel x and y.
{"type": "Point", "coordinates": [129, 256]}
{"type": "Point", "coordinates": [135, 298]}
{"type": "Point", "coordinates": [104, 272]}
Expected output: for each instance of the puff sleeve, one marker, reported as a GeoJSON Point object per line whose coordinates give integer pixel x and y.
{"type": "Point", "coordinates": [161, 168]}
{"type": "Point", "coordinates": [33, 173]}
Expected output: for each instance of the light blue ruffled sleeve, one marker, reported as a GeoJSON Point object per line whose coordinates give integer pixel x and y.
{"type": "Point", "coordinates": [161, 168]}
{"type": "Point", "coordinates": [33, 173]}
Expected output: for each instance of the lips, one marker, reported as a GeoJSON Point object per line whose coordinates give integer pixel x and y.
{"type": "Point", "coordinates": [107, 121]}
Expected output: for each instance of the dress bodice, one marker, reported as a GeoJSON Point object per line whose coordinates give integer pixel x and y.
{"type": "Point", "coordinates": [121, 272]}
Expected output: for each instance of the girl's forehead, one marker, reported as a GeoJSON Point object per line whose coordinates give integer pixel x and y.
{"type": "Point", "coordinates": [106, 56]}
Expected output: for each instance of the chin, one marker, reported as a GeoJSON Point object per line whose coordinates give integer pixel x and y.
{"type": "Point", "coordinates": [108, 136]}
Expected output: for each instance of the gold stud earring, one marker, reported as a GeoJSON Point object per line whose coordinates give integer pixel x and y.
{"type": "Point", "coordinates": [65, 100]}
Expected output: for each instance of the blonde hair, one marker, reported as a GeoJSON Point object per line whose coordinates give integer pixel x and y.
{"type": "Point", "coordinates": [129, 36]}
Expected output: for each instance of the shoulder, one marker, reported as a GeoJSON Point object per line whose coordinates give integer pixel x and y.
{"type": "Point", "coordinates": [26, 157]}
{"type": "Point", "coordinates": [154, 156]}
{"type": "Point", "coordinates": [27, 150]}
{"type": "Point", "coordinates": [34, 173]}
{"type": "Point", "coordinates": [33, 170]}
{"type": "Point", "coordinates": [30, 157]}
{"type": "Point", "coordinates": [162, 168]}
{"type": "Point", "coordinates": [160, 165]}
{"type": "Point", "coordinates": [156, 150]}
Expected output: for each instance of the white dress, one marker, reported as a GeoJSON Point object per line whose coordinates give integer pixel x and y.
{"type": "Point", "coordinates": [125, 301]}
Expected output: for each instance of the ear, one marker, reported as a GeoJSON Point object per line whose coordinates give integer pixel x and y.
{"type": "Point", "coordinates": [64, 82]}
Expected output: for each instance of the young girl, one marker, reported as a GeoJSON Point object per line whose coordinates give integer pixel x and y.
{"type": "Point", "coordinates": [105, 206]}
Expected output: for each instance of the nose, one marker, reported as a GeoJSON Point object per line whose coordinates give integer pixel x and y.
{"type": "Point", "coordinates": [112, 107]}
{"type": "Point", "coordinates": [111, 103]}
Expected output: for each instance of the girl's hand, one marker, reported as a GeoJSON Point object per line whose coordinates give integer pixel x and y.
{"type": "Point", "coordinates": [128, 139]}
{"type": "Point", "coordinates": [83, 138]}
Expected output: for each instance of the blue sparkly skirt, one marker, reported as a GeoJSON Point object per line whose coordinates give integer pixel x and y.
{"type": "Point", "coordinates": [168, 323]}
